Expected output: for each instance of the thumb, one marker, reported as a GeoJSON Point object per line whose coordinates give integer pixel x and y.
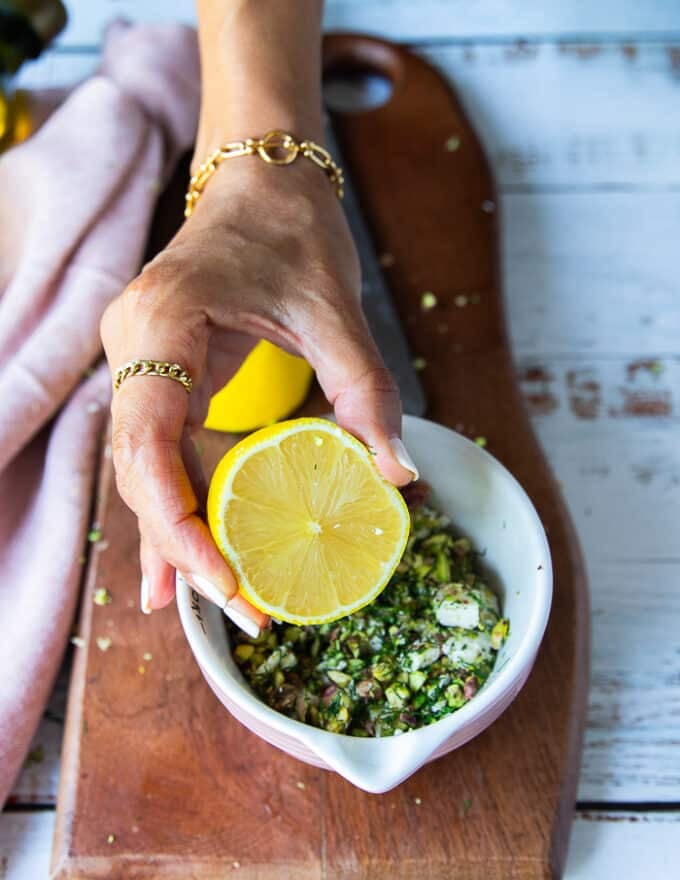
{"type": "Point", "coordinates": [361, 389]}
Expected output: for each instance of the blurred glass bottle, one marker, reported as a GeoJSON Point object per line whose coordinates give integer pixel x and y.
{"type": "Point", "coordinates": [26, 28]}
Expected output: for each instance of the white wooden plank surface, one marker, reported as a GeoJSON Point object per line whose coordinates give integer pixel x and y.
{"type": "Point", "coordinates": [25, 845]}
{"type": "Point", "coordinates": [626, 135]}
{"type": "Point", "coordinates": [425, 19]}
{"type": "Point", "coordinates": [603, 846]}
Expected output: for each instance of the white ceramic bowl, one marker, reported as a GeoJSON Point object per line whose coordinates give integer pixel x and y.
{"type": "Point", "coordinates": [488, 505]}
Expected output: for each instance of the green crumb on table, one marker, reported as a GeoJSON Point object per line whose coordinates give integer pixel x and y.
{"type": "Point", "coordinates": [111, 839]}
{"type": "Point", "coordinates": [94, 535]}
{"type": "Point", "coordinates": [103, 643]}
{"type": "Point", "coordinates": [419, 363]}
{"type": "Point", "coordinates": [460, 301]}
{"type": "Point", "coordinates": [452, 144]}
{"type": "Point", "coordinates": [428, 301]}
{"type": "Point", "coordinates": [480, 441]}
{"type": "Point", "coordinates": [419, 652]}
{"type": "Point", "coordinates": [102, 596]}
{"type": "Point", "coordinates": [35, 756]}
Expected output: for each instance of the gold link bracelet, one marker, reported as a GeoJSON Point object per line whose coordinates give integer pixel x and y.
{"type": "Point", "coordinates": [275, 148]}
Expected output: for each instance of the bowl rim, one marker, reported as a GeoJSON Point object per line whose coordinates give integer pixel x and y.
{"type": "Point", "coordinates": [508, 675]}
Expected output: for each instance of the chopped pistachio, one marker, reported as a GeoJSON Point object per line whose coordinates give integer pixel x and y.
{"type": "Point", "coordinates": [452, 144]}
{"type": "Point", "coordinates": [94, 535]}
{"type": "Point", "coordinates": [419, 363]}
{"type": "Point", "coordinates": [499, 633]}
{"type": "Point", "coordinates": [103, 643]}
{"type": "Point", "coordinates": [398, 664]}
{"type": "Point", "coordinates": [480, 441]}
{"type": "Point", "coordinates": [102, 596]}
{"type": "Point", "coordinates": [428, 301]}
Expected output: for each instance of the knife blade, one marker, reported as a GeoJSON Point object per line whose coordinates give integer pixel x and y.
{"type": "Point", "coordinates": [376, 300]}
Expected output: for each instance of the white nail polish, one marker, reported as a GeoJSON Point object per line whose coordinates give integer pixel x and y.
{"type": "Point", "coordinates": [402, 456]}
{"type": "Point", "coordinates": [249, 627]}
{"type": "Point", "coordinates": [145, 595]}
{"type": "Point", "coordinates": [209, 590]}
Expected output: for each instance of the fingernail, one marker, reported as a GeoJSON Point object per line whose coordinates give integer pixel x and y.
{"type": "Point", "coordinates": [145, 595]}
{"type": "Point", "coordinates": [249, 627]}
{"type": "Point", "coordinates": [402, 456]}
{"type": "Point", "coordinates": [209, 590]}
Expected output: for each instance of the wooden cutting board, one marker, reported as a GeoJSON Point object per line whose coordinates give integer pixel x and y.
{"type": "Point", "coordinates": [158, 781]}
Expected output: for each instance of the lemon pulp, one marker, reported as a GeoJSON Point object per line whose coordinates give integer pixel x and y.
{"type": "Point", "coordinates": [311, 529]}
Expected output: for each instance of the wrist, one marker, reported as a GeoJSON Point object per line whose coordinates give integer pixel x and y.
{"type": "Point", "coordinates": [261, 70]}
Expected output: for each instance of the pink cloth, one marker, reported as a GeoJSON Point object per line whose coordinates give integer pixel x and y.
{"type": "Point", "coordinates": [75, 206]}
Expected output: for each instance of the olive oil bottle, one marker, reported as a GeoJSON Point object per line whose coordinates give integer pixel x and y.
{"type": "Point", "coordinates": [26, 28]}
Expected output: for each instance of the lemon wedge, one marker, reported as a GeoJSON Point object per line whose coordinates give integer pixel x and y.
{"type": "Point", "coordinates": [270, 385]}
{"type": "Point", "coordinates": [310, 528]}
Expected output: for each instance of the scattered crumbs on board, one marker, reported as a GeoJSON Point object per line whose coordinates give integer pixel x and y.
{"type": "Point", "coordinates": [460, 301]}
{"type": "Point", "coordinates": [111, 839]}
{"type": "Point", "coordinates": [480, 441]}
{"type": "Point", "coordinates": [428, 301]}
{"type": "Point", "coordinates": [102, 596]}
{"type": "Point", "coordinates": [301, 785]}
{"type": "Point", "coordinates": [104, 643]}
{"type": "Point", "coordinates": [35, 756]}
{"type": "Point", "coordinates": [452, 144]}
{"type": "Point", "coordinates": [94, 535]}
{"type": "Point", "coordinates": [417, 801]}
{"type": "Point", "coordinates": [147, 655]}
{"type": "Point", "coordinates": [419, 363]}
{"type": "Point", "coordinates": [141, 669]}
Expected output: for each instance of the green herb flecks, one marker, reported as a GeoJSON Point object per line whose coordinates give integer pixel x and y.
{"type": "Point", "coordinates": [418, 653]}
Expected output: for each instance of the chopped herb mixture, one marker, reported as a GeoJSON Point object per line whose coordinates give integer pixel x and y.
{"type": "Point", "coordinates": [420, 651]}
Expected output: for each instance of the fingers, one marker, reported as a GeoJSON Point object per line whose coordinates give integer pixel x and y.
{"type": "Point", "coordinates": [158, 579]}
{"type": "Point", "coordinates": [149, 414]}
{"type": "Point", "coordinates": [363, 392]}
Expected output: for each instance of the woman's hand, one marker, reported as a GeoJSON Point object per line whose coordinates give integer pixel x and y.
{"type": "Point", "coordinates": [266, 254]}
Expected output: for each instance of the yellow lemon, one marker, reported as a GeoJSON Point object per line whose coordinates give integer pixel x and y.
{"type": "Point", "coordinates": [310, 528]}
{"type": "Point", "coordinates": [269, 386]}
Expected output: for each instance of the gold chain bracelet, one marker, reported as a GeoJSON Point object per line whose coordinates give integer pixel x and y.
{"type": "Point", "coordinates": [275, 148]}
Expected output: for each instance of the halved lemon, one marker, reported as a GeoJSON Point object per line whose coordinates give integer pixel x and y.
{"type": "Point", "coordinates": [310, 528]}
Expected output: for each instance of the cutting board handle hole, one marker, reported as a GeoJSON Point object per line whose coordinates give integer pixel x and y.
{"type": "Point", "coordinates": [355, 90]}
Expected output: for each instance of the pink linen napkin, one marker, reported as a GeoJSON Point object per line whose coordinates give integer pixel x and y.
{"type": "Point", "coordinates": [77, 200]}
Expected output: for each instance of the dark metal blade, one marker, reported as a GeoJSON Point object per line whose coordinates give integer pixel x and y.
{"type": "Point", "coordinates": [376, 301]}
